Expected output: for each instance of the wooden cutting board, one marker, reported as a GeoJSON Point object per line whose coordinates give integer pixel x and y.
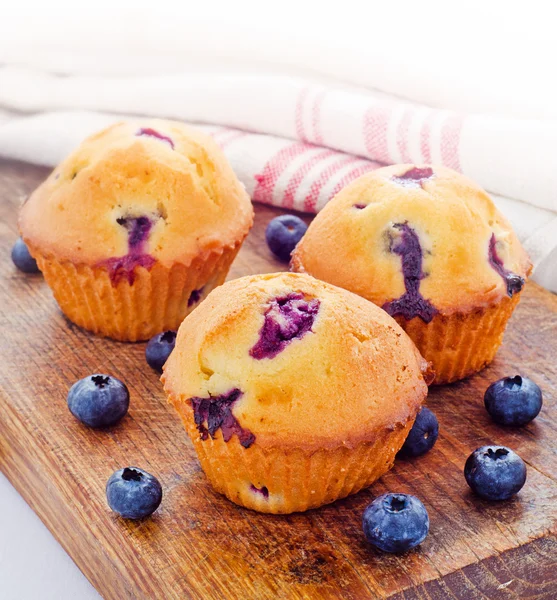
{"type": "Point", "coordinates": [199, 545]}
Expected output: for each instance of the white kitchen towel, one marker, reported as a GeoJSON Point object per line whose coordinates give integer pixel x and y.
{"type": "Point", "coordinates": [515, 158]}
{"type": "Point", "coordinates": [297, 121]}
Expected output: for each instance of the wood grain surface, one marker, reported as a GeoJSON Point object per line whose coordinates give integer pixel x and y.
{"type": "Point", "coordinates": [199, 545]}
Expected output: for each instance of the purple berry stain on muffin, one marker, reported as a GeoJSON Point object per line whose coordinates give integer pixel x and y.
{"type": "Point", "coordinates": [155, 134]}
{"type": "Point", "coordinates": [414, 177]}
{"type": "Point", "coordinates": [262, 491]}
{"type": "Point", "coordinates": [138, 230]}
{"type": "Point", "coordinates": [286, 319]}
{"type": "Point", "coordinates": [195, 297]}
{"type": "Point", "coordinates": [514, 282]}
{"type": "Point", "coordinates": [215, 412]}
{"type": "Point", "coordinates": [124, 266]}
{"type": "Point", "coordinates": [359, 206]}
{"type": "Point", "coordinates": [411, 304]}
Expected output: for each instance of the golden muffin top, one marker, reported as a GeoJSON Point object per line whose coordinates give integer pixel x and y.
{"type": "Point", "coordinates": [155, 190]}
{"type": "Point", "coordinates": [415, 240]}
{"type": "Point", "coordinates": [286, 360]}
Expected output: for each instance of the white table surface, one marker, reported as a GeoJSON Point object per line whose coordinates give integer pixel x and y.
{"type": "Point", "coordinates": [33, 565]}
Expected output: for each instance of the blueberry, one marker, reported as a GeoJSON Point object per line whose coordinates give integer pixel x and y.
{"type": "Point", "coordinates": [133, 493]}
{"type": "Point", "coordinates": [98, 400]}
{"type": "Point", "coordinates": [22, 258]}
{"type": "Point", "coordinates": [396, 522]}
{"type": "Point", "coordinates": [495, 472]}
{"type": "Point", "coordinates": [158, 349]}
{"type": "Point", "coordinates": [422, 436]}
{"type": "Point", "coordinates": [282, 235]}
{"type": "Point", "coordinates": [513, 400]}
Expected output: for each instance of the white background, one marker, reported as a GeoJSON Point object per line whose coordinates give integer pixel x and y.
{"type": "Point", "coordinates": [495, 57]}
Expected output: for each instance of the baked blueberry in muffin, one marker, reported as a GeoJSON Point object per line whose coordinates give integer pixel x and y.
{"type": "Point", "coordinates": [287, 318]}
{"type": "Point", "coordinates": [125, 266]}
{"type": "Point", "coordinates": [414, 177]}
{"type": "Point", "coordinates": [215, 412]}
{"type": "Point", "coordinates": [411, 304]}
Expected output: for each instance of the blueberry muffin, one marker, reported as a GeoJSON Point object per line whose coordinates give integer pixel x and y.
{"type": "Point", "coordinates": [294, 392]}
{"type": "Point", "coordinates": [428, 246]}
{"type": "Point", "coordinates": [136, 227]}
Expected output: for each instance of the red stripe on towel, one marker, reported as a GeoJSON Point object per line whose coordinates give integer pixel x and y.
{"type": "Point", "coordinates": [361, 169]}
{"type": "Point", "coordinates": [316, 117]}
{"type": "Point", "coordinates": [425, 138]}
{"type": "Point", "coordinates": [375, 127]}
{"type": "Point", "coordinates": [403, 135]}
{"type": "Point", "coordinates": [324, 177]}
{"type": "Point", "coordinates": [274, 168]}
{"type": "Point", "coordinates": [299, 117]}
{"type": "Point", "coordinates": [450, 141]}
{"type": "Point", "coordinates": [301, 172]}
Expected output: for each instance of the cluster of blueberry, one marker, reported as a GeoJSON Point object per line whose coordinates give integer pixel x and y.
{"type": "Point", "coordinates": [392, 522]}
{"type": "Point", "coordinates": [399, 522]}
{"type": "Point", "coordinates": [101, 401]}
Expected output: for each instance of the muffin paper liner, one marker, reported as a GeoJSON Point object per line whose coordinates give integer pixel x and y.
{"type": "Point", "coordinates": [462, 343]}
{"type": "Point", "coordinates": [293, 479]}
{"type": "Point", "coordinates": [156, 301]}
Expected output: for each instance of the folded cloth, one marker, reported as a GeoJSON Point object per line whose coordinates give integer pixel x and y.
{"type": "Point", "coordinates": [294, 141]}
{"type": "Point", "coordinates": [509, 157]}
